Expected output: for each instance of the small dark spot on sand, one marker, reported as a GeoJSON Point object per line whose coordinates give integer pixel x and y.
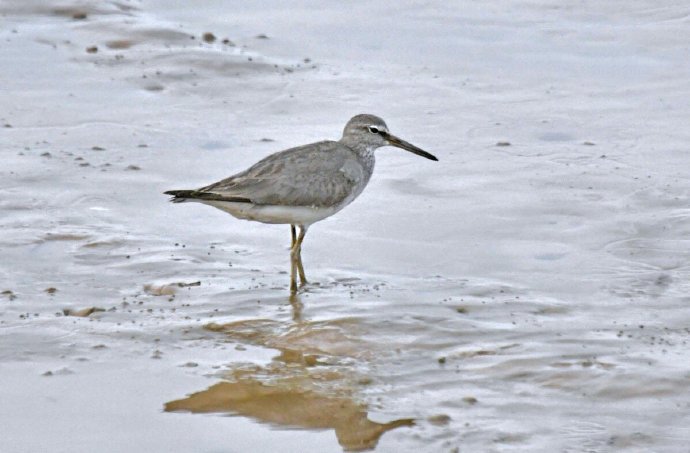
{"type": "Point", "coordinates": [79, 15]}
{"type": "Point", "coordinates": [142, 145]}
{"type": "Point", "coordinates": [119, 44]}
{"type": "Point", "coordinates": [68, 12]}
{"type": "Point", "coordinates": [588, 143]}
{"type": "Point", "coordinates": [92, 49]}
{"type": "Point", "coordinates": [261, 36]}
{"type": "Point", "coordinates": [441, 360]}
{"type": "Point", "coordinates": [227, 42]}
{"type": "Point", "coordinates": [266, 140]}
{"type": "Point", "coordinates": [60, 372]}
{"type": "Point", "coordinates": [50, 290]}
{"type": "Point", "coordinates": [7, 125]}
{"type": "Point", "coordinates": [471, 400]}
{"type": "Point", "coordinates": [208, 37]}
{"type": "Point", "coordinates": [97, 148]}
{"type": "Point", "coordinates": [502, 143]}
{"type": "Point", "coordinates": [439, 420]}
{"type": "Point", "coordinates": [46, 154]}
{"type": "Point", "coordinates": [132, 168]}
{"type": "Point", "coordinates": [186, 285]}
{"type": "Point", "coordinates": [154, 87]}
{"type": "Point", "coordinates": [461, 310]}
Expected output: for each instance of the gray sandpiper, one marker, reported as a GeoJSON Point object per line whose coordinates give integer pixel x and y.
{"type": "Point", "coordinates": [302, 185]}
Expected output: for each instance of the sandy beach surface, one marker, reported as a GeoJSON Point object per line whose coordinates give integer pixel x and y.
{"type": "Point", "coordinates": [528, 292]}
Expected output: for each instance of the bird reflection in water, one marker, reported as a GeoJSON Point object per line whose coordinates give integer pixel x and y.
{"type": "Point", "coordinates": [297, 307]}
{"type": "Point", "coordinates": [289, 405]}
{"type": "Point", "coordinates": [311, 384]}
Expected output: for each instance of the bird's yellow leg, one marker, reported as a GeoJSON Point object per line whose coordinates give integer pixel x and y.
{"type": "Point", "coordinates": [293, 261]}
{"type": "Point", "coordinates": [298, 245]}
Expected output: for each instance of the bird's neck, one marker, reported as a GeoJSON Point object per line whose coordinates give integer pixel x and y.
{"type": "Point", "coordinates": [365, 153]}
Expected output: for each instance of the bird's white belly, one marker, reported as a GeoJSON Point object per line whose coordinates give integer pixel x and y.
{"type": "Point", "coordinates": [295, 215]}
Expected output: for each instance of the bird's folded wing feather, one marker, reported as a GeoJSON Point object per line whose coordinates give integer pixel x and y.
{"type": "Point", "coordinates": [320, 175]}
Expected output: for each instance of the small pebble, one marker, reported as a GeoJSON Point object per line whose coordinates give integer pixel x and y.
{"type": "Point", "coordinates": [439, 420]}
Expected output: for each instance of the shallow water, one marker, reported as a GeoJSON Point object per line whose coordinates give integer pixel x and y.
{"type": "Point", "coordinates": [529, 292]}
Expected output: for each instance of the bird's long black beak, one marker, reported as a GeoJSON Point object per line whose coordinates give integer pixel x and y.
{"type": "Point", "coordinates": [400, 143]}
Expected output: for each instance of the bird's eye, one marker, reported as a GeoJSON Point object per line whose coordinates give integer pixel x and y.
{"type": "Point", "coordinates": [373, 129]}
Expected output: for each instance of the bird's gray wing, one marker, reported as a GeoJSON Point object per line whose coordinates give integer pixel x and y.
{"type": "Point", "coordinates": [320, 174]}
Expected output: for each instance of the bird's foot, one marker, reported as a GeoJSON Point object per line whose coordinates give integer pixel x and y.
{"type": "Point", "coordinates": [295, 288]}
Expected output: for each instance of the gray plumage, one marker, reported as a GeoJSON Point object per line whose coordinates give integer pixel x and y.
{"type": "Point", "coordinates": [321, 174]}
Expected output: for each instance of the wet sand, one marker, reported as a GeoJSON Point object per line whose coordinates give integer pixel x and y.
{"type": "Point", "coordinates": [527, 293]}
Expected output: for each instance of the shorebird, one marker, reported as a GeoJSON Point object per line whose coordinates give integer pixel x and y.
{"type": "Point", "coordinates": [302, 185]}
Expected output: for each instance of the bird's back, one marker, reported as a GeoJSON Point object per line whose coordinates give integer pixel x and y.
{"type": "Point", "coordinates": [322, 174]}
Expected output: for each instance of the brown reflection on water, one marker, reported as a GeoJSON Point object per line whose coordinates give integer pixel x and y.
{"type": "Point", "coordinates": [288, 404]}
{"type": "Point", "coordinates": [332, 340]}
{"type": "Point", "coordinates": [311, 384]}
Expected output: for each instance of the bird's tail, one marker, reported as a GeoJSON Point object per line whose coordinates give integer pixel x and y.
{"type": "Point", "coordinates": [180, 196]}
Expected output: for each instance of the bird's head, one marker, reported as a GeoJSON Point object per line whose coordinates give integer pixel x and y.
{"type": "Point", "coordinates": [371, 132]}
